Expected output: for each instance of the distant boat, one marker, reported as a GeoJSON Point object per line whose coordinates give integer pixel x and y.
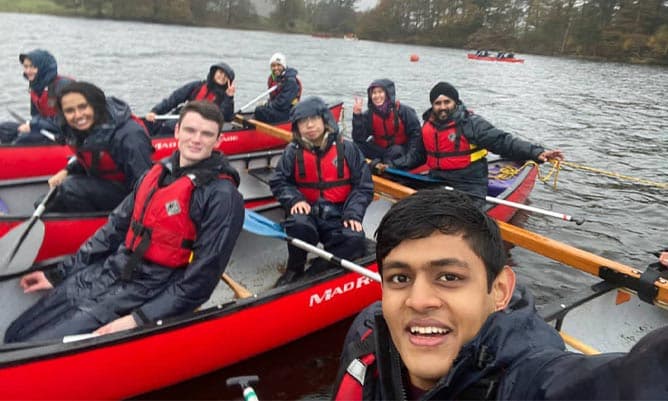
{"type": "Point", "coordinates": [494, 58]}
{"type": "Point", "coordinates": [350, 36]}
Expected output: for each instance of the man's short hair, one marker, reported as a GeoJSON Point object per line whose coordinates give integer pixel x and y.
{"type": "Point", "coordinates": [207, 110]}
{"type": "Point", "coordinates": [449, 212]}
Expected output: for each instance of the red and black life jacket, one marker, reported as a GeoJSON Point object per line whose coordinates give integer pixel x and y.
{"type": "Point", "coordinates": [273, 82]}
{"type": "Point", "coordinates": [448, 149]}
{"type": "Point", "coordinates": [203, 93]}
{"type": "Point", "coordinates": [388, 131]}
{"type": "Point", "coordinates": [324, 176]}
{"type": "Point", "coordinates": [351, 384]}
{"type": "Point", "coordinates": [98, 163]}
{"type": "Point", "coordinates": [45, 104]}
{"type": "Point", "coordinates": [161, 230]}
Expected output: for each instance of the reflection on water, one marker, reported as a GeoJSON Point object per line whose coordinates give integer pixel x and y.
{"type": "Point", "coordinates": [606, 115]}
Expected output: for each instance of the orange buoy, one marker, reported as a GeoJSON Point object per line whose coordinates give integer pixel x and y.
{"type": "Point", "coordinates": [414, 57]}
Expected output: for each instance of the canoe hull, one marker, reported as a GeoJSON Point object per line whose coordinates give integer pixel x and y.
{"type": "Point", "coordinates": [41, 160]}
{"type": "Point", "coordinates": [110, 368]}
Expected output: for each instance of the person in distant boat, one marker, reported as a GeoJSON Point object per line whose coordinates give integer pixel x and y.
{"type": "Point", "coordinates": [160, 254]}
{"type": "Point", "coordinates": [455, 142]}
{"type": "Point", "coordinates": [41, 71]}
{"type": "Point", "coordinates": [218, 88]}
{"type": "Point", "coordinates": [112, 150]}
{"type": "Point", "coordinates": [500, 55]}
{"type": "Point", "coordinates": [324, 185]}
{"type": "Point", "coordinates": [453, 325]}
{"type": "Point", "coordinates": [285, 96]}
{"type": "Point", "coordinates": [387, 130]}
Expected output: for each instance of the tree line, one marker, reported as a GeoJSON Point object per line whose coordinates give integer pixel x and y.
{"type": "Point", "coordinates": [622, 30]}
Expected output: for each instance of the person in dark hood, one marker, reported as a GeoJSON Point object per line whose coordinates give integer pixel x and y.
{"type": "Point", "coordinates": [218, 88]}
{"type": "Point", "coordinates": [286, 95]}
{"type": "Point", "coordinates": [455, 142]}
{"type": "Point", "coordinates": [388, 132]}
{"type": "Point", "coordinates": [451, 324]}
{"type": "Point", "coordinates": [160, 254]}
{"type": "Point", "coordinates": [112, 150]}
{"type": "Point", "coordinates": [324, 185]}
{"type": "Point", "coordinates": [41, 71]}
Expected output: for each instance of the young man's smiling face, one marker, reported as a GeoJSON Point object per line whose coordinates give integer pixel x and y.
{"type": "Point", "coordinates": [196, 138]}
{"type": "Point", "coordinates": [436, 299]}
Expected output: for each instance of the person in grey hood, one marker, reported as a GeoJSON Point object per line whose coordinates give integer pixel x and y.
{"type": "Point", "coordinates": [389, 131]}
{"type": "Point", "coordinates": [324, 185]}
{"type": "Point", "coordinates": [218, 88]}
{"type": "Point", "coordinates": [112, 150]}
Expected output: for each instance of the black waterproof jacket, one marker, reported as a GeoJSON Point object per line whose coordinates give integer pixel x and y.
{"type": "Point", "coordinates": [517, 356]}
{"type": "Point", "coordinates": [93, 276]}
{"type": "Point", "coordinates": [362, 123]}
{"type": "Point", "coordinates": [187, 92]}
{"type": "Point", "coordinates": [125, 140]}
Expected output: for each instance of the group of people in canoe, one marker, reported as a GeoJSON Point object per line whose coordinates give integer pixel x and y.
{"type": "Point", "coordinates": [451, 323]}
{"type": "Point", "coordinates": [501, 54]}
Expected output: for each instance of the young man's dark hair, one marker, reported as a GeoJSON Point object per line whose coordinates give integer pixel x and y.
{"type": "Point", "coordinates": [448, 212]}
{"type": "Point", "coordinates": [207, 110]}
{"type": "Point", "coordinates": [94, 96]}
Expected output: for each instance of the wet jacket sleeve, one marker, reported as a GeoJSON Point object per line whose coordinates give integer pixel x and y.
{"type": "Point", "coordinates": [218, 212]}
{"type": "Point", "coordinates": [131, 150]}
{"type": "Point", "coordinates": [361, 127]}
{"type": "Point", "coordinates": [485, 135]}
{"type": "Point", "coordinates": [100, 246]}
{"type": "Point", "coordinates": [413, 156]}
{"type": "Point", "coordinates": [177, 97]}
{"type": "Point", "coordinates": [640, 374]}
{"type": "Point", "coordinates": [289, 91]}
{"type": "Point", "coordinates": [227, 107]}
{"type": "Point", "coordinates": [361, 194]}
{"type": "Point", "coordinates": [282, 182]}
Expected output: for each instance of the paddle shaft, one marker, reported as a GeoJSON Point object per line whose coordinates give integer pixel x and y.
{"type": "Point", "coordinates": [490, 199]}
{"type": "Point", "coordinates": [27, 227]}
{"type": "Point", "coordinates": [21, 120]}
{"type": "Point", "coordinates": [332, 258]}
{"type": "Point", "coordinates": [239, 290]}
{"type": "Point", "coordinates": [258, 97]}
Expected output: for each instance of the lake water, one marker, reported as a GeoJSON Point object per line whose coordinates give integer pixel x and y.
{"type": "Point", "coordinates": [603, 115]}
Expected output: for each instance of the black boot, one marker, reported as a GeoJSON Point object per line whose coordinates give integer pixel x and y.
{"type": "Point", "coordinates": [290, 276]}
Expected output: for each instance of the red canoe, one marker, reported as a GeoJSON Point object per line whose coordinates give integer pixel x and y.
{"type": "Point", "coordinates": [41, 160]}
{"type": "Point", "coordinates": [488, 58]}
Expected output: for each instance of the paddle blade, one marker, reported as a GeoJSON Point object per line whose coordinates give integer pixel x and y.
{"type": "Point", "coordinates": [260, 225]}
{"type": "Point", "coordinates": [24, 251]}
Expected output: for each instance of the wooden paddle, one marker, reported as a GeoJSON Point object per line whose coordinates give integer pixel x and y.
{"type": "Point", "coordinates": [265, 128]}
{"type": "Point", "coordinates": [239, 290]}
{"type": "Point", "coordinates": [599, 266]}
{"type": "Point", "coordinates": [21, 244]}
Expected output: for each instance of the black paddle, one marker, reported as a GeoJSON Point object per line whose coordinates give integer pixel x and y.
{"type": "Point", "coordinates": [20, 245]}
